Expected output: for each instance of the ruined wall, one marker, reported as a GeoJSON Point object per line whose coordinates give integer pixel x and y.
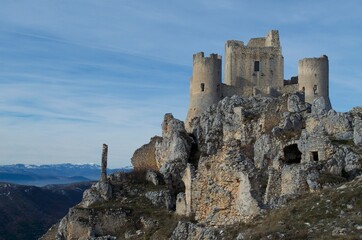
{"type": "Point", "coordinates": [144, 158]}
{"type": "Point", "coordinates": [288, 89]}
{"type": "Point", "coordinates": [205, 84]}
{"type": "Point", "coordinates": [256, 68]}
{"type": "Point", "coordinates": [313, 78]}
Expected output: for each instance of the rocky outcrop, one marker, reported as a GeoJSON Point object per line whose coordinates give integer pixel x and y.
{"type": "Point", "coordinates": [99, 192]}
{"type": "Point", "coordinates": [162, 199]}
{"type": "Point", "coordinates": [357, 125]}
{"type": "Point", "coordinates": [144, 158]}
{"type": "Point", "coordinates": [173, 152]}
{"type": "Point", "coordinates": [240, 158]}
{"type": "Point", "coordinates": [256, 153]}
{"type": "Point", "coordinates": [190, 231]}
{"type": "Point", "coordinates": [84, 224]}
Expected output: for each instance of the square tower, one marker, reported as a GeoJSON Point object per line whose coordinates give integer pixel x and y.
{"type": "Point", "coordinates": [258, 66]}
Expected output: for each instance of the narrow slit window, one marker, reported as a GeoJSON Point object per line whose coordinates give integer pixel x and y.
{"type": "Point", "coordinates": [202, 87]}
{"type": "Point", "coordinates": [256, 66]}
{"type": "Point", "coordinates": [315, 90]}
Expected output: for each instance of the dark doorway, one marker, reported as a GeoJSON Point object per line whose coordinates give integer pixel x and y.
{"type": "Point", "coordinates": [292, 154]}
{"type": "Point", "coordinates": [314, 156]}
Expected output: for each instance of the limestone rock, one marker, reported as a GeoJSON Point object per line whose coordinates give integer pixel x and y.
{"type": "Point", "coordinates": [108, 237]}
{"type": "Point", "coordinates": [320, 106]}
{"type": "Point", "coordinates": [339, 125]}
{"type": "Point", "coordinates": [357, 133]}
{"type": "Point", "coordinates": [82, 223]}
{"type": "Point", "coordinates": [295, 104]}
{"type": "Point", "coordinates": [162, 198]}
{"type": "Point", "coordinates": [99, 192]}
{"type": "Point", "coordinates": [181, 206]}
{"type": "Point", "coordinates": [152, 177]}
{"type": "Point", "coordinates": [173, 152]}
{"type": "Point", "coordinates": [190, 231]}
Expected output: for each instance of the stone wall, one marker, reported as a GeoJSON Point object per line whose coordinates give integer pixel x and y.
{"type": "Point", "coordinates": [258, 65]}
{"type": "Point", "coordinates": [144, 158]}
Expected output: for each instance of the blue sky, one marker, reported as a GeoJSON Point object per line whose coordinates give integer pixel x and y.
{"type": "Point", "coordinates": [75, 74]}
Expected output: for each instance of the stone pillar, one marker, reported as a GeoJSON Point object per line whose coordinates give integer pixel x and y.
{"type": "Point", "coordinates": [104, 163]}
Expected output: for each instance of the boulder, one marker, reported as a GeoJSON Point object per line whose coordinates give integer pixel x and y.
{"type": "Point", "coordinates": [99, 192]}
{"type": "Point", "coordinates": [162, 198]}
{"type": "Point", "coordinates": [190, 231]}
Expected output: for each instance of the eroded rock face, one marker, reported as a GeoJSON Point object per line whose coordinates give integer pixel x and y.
{"type": "Point", "coordinates": [245, 155]}
{"type": "Point", "coordinates": [161, 199]}
{"type": "Point", "coordinates": [259, 152]}
{"type": "Point", "coordinates": [84, 224]}
{"type": "Point", "coordinates": [225, 197]}
{"type": "Point", "coordinates": [99, 192]}
{"type": "Point", "coordinates": [190, 231]}
{"type": "Point", "coordinates": [357, 125]}
{"type": "Point", "coordinates": [173, 152]}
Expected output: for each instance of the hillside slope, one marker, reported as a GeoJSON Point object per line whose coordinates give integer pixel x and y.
{"type": "Point", "coordinates": [27, 211]}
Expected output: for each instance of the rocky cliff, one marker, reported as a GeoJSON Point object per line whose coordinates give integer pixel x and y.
{"type": "Point", "coordinates": [236, 163]}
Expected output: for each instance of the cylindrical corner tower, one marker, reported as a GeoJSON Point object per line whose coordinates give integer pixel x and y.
{"type": "Point", "coordinates": [313, 78]}
{"type": "Point", "coordinates": [205, 84]}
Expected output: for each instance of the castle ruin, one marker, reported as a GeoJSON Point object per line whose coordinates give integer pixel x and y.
{"type": "Point", "coordinates": [253, 69]}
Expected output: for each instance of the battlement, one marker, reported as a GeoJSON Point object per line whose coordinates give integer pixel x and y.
{"type": "Point", "coordinates": [197, 57]}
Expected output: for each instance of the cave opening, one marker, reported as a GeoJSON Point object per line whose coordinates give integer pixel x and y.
{"type": "Point", "coordinates": [292, 154]}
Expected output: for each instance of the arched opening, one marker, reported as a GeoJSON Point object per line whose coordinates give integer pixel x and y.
{"type": "Point", "coordinates": [292, 154]}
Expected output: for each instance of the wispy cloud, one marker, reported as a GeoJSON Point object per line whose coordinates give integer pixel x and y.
{"type": "Point", "coordinates": [75, 74]}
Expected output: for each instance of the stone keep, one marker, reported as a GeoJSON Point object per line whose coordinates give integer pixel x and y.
{"type": "Point", "coordinates": [253, 69]}
{"type": "Point", "coordinates": [256, 67]}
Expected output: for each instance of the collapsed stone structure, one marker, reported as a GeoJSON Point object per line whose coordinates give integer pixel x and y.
{"type": "Point", "coordinates": [253, 69]}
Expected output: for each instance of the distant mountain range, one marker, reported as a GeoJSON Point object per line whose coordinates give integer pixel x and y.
{"type": "Point", "coordinates": [27, 212]}
{"type": "Point", "coordinates": [41, 175]}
